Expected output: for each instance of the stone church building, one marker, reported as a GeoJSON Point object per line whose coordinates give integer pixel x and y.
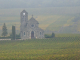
{"type": "Point", "coordinates": [29, 28]}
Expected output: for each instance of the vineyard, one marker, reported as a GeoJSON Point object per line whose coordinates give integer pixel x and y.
{"type": "Point", "coordinates": [58, 48]}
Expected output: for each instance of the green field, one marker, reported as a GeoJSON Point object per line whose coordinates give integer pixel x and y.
{"type": "Point", "coordinates": [58, 48]}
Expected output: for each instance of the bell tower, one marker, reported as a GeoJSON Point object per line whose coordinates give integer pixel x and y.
{"type": "Point", "coordinates": [24, 16]}
{"type": "Point", "coordinates": [23, 20]}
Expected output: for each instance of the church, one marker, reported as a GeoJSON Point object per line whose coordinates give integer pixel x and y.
{"type": "Point", "coordinates": [29, 28]}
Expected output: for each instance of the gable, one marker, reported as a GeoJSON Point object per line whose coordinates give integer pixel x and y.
{"type": "Point", "coordinates": [32, 20]}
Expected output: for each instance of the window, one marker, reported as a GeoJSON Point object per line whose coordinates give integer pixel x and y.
{"type": "Point", "coordinates": [23, 13]}
{"type": "Point", "coordinates": [40, 33]}
{"type": "Point", "coordinates": [32, 25]}
{"type": "Point", "coordinates": [24, 33]}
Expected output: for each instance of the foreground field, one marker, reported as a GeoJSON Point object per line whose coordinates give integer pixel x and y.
{"type": "Point", "coordinates": [58, 48]}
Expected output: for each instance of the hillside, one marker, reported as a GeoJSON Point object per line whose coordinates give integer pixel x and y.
{"type": "Point", "coordinates": [66, 24]}
{"type": "Point", "coordinates": [57, 19]}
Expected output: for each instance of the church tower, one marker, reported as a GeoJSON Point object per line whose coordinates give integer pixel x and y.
{"type": "Point", "coordinates": [24, 16]}
{"type": "Point", "coordinates": [24, 19]}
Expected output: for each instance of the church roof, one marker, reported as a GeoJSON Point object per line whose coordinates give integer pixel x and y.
{"type": "Point", "coordinates": [33, 20]}
{"type": "Point", "coordinates": [24, 11]}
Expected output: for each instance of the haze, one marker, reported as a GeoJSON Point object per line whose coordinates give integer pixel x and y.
{"type": "Point", "coordinates": [38, 3]}
{"type": "Point", "coordinates": [59, 16]}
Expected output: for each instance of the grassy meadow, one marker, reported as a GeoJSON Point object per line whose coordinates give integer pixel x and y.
{"type": "Point", "coordinates": [67, 35]}
{"type": "Point", "coordinates": [58, 48]}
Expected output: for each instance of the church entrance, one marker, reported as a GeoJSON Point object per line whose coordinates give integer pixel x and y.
{"type": "Point", "coordinates": [32, 34]}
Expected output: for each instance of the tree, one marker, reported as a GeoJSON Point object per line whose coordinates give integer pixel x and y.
{"type": "Point", "coordinates": [53, 35]}
{"type": "Point", "coordinates": [13, 33]}
{"type": "Point", "coordinates": [49, 36]}
{"type": "Point", "coordinates": [4, 30]}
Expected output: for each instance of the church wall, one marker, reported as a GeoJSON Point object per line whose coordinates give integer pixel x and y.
{"type": "Point", "coordinates": [36, 34]}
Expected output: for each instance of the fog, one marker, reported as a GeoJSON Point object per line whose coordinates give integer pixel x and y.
{"type": "Point", "coordinates": [38, 3]}
{"type": "Point", "coordinates": [67, 10]}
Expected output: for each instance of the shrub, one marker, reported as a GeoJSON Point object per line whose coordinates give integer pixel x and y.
{"type": "Point", "coordinates": [53, 35]}
{"type": "Point", "coordinates": [49, 36]}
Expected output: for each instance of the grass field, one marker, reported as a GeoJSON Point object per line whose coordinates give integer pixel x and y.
{"type": "Point", "coordinates": [58, 48]}
{"type": "Point", "coordinates": [67, 35]}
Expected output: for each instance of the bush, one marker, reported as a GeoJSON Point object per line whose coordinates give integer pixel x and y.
{"type": "Point", "coordinates": [17, 36]}
{"type": "Point", "coordinates": [53, 35]}
{"type": "Point", "coordinates": [5, 37]}
{"type": "Point", "coordinates": [49, 36]}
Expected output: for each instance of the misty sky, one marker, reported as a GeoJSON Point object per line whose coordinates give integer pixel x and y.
{"type": "Point", "coordinates": [38, 3]}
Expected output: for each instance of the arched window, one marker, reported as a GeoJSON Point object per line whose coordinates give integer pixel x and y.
{"type": "Point", "coordinates": [24, 33]}
{"type": "Point", "coordinates": [40, 33]}
{"type": "Point", "coordinates": [32, 25]}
